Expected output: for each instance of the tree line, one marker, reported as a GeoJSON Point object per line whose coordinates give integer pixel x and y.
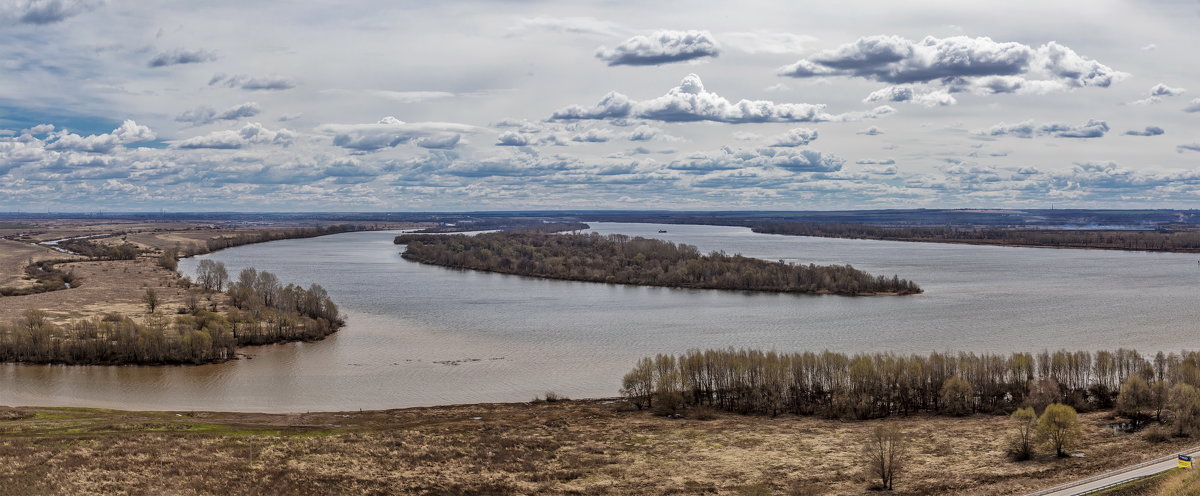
{"type": "Point", "coordinates": [250, 237]}
{"type": "Point", "coordinates": [621, 259]}
{"type": "Point", "coordinates": [264, 311]}
{"type": "Point", "coordinates": [874, 385]}
{"type": "Point", "coordinates": [1157, 240]}
{"type": "Point", "coordinates": [101, 251]}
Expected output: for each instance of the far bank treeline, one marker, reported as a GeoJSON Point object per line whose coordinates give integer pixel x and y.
{"type": "Point", "coordinates": [873, 385]}
{"type": "Point", "coordinates": [622, 259]}
{"type": "Point", "coordinates": [263, 311]}
{"type": "Point", "coordinates": [1157, 240]}
{"type": "Point", "coordinates": [128, 251]}
{"type": "Point", "coordinates": [49, 277]}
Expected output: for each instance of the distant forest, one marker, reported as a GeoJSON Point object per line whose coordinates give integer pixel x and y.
{"type": "Point", "coordinates": [246, 238]}
{"type": "Point", "coordinates": [872, 385]}
{"type": "Point", "coordinates": [622, 259]}
{"type": "Point", "coordinates": [1157, 240]}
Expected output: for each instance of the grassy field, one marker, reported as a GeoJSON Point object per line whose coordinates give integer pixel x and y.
{"type": "Point", "coordinates": [15, 256]}
{"type": "Point", "coordinates": [575, 447]}
{"type": "Point", "coordinates": [115, 286]}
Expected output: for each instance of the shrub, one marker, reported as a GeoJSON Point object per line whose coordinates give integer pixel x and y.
{"type": "Point", "coordinates": [668, 404]}
{"type": "Point", "coordinates": [1158, 433]}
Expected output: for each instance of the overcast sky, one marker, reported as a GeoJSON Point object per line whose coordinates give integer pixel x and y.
{"type": "Point", "coordinates": [480, 105]}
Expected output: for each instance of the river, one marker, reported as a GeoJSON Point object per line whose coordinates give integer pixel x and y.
{"type": "Point", "coordinates": [419, 335]}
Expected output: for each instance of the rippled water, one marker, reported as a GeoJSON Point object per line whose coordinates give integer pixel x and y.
{"type": "Point", "coordinates": [423, 335]}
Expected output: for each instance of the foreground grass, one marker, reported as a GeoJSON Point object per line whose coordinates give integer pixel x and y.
{"type": "Point", "coordinates": [577, 447]}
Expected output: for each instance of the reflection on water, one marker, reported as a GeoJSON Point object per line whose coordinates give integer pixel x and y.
{"type": "Point", "coordinates": [424, 335]}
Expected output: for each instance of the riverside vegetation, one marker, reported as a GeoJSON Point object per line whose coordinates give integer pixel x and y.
{"type": "Point", "coordinates": [262, 311]}
{"type": "Point", "coordinates": [49, 277]}
{"type": "Point", "coordinates": [622, 259]}
{"type": "Point", "coordinates": [875, 385]}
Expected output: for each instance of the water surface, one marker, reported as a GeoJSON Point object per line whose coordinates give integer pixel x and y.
{"type": "Point", "coordinates": [424, 335]}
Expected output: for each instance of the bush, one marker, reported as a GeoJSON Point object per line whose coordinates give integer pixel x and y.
{"type": "Point", "coordinates": [1158, 433]}
{"type": "Point", "coordinates": [668, 404]}
{"type": "Point", "coordinates": [702, 413]}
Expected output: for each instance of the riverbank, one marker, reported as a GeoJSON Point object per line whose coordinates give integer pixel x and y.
{"type": "Point", "coordinates": [574, 447]}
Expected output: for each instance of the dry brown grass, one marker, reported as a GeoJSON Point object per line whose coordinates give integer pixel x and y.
{"type": "Point", "coordinates": [574, 447]}
{"type": "Point", "coordinates": [15, 256]}
{"type": "Point", "coordinates": [115, 286]}
{"type": "Point", "coordinates": [111, 286]}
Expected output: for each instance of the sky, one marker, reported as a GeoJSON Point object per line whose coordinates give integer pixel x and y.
{"type": "Point", "coordinates": [524, 104]}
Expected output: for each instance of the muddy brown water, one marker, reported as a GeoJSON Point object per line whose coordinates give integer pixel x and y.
{"type": "Point", "coordinates": [419, 335]}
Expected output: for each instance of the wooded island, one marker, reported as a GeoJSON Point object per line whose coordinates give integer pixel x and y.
{"type": "Point", "coordinates": [621, 259]}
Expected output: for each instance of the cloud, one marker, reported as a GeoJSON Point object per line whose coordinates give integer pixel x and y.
{"type": "Point", "coordinates": [1189, 147]}
{"type": "Point", "coordinates": [570, 25]}
{"type": "Point", "coordinates": [959, 63]}
{"type": "Point", "coordinates": [645, 133]}
{"type": "Point", "coordinates": [797, 161]}
{"type": "Point", "coordinates": [690, 102]}
{"type": "Point", "coordinates": [1149, 131]}
{"type": "Point", "coordinates": [1150, 47]}
{"type": "Point", "coordinates": [513, 138]}
{"type": "Point", "coordinates": [390, 132]}
{"type": "Point", "coordinates": [871, 131]}
{"type": "Point", "coordinates": [39, 129]}
{"type": "Point", "coordinates": [414, 96]}
{"type": "Point", "coordinates": [249, 134]}
{"type": "Point", "coordinates": [592, 136]}
{"type": "Point", "coordinates": [127, 133]}
{"type": "Point", "coordinates": [794, 137]}
{"type": "Point", "coordinates": [1157, 93]}
{"type": "Point", "coordinates": [905, 93]}
{"type": "Point", "coordinates": [267, 83]}
{"type": "Point", "coordinates": [518, 165]}
{"type": "Point", "coordinates": [179, 56]}
{"type": "Point", "coordinates": [1193, 106]}
{"type": "Point", "coordinates": [438, 142]}
{"type": "Point", "coordinates": [766, 42]}
{"type": "Point", "coordinates": [661, 47]}
{"type": "Point", "coordinates": [876, 162]}
{"type": "Point", "coordinates": [889, 170]}
{"type": "Point", "coordinates": [204, 114]}
{"type": "Point", "coordinates": [42, 12]}
{"type": "Point", "coordinates": [1164, 90]}
{"type": "Point", "coordinates": [1091, 129]}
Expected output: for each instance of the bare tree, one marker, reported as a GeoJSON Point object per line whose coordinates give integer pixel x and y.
{"type": "Point", "coordinates": [884, 450]}
{"type": "Point", "coordinates": [151, 300]}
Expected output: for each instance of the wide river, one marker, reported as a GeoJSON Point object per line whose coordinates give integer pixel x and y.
{"type": "Point", "coordinates": [421, 335]}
